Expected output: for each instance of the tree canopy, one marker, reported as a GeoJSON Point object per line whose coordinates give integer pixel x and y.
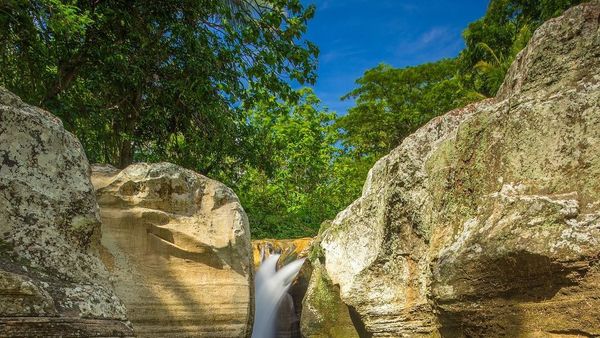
{"type": "Point", "coordinates": [160, 80]}
{"type": "Point", "coordinates": [391, 103]}
{"type": "Point", "coordinates": [294, 188]}
{"type": "Point", "coordinates": [212, 86]}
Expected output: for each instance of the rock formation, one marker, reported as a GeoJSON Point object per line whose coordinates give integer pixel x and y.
{"type": "Point", "coordinates": [486, 221]}
{"type": "Point", "coordinates": [324, 314]}
{"type": "Point", "coordinates": [290, 249]}
{"type": "Point", "coordinates": [288, 322]}
{"type": "Point", "coordinates": [52, 282]}
{"type": "Point", "coordinates": [178, 246]}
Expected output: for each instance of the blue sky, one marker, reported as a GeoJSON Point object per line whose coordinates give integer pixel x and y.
{"type": "Point", "coordinates": [355, 35]}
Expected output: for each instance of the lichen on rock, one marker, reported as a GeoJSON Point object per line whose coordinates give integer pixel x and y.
{"type": "Point", "coordinates": [486, 221]}
{"type": "Point", "coordinates": [51, 278]}
{"type": "Point", "coordinates": [324, 315]}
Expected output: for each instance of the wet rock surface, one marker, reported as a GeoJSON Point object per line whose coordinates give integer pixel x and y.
{"type": "Point", "coordinates": [289, 249]}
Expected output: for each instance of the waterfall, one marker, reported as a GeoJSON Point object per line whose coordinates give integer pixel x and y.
{"type": "Point", "coordinates": [271, 286]}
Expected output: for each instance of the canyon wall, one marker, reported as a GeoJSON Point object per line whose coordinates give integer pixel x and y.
{"type": "Point", "coordinates": [52, 281]}
{"type": "Point", "coordinates": [178, 247]}
{"type": "Point", "coordinates": [486, 221]}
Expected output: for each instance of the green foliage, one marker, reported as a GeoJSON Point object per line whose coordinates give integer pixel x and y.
{"type": "Point", "coordinates": [206, 84]}
{"type": "Point", "coordinates": [297, 182]}
{"type": "Point", "coordinates": [493, 41]}
{"type": "Point", "coordinates": [161, 80]}
{"type": "Point", "coordinates": [391, 103]}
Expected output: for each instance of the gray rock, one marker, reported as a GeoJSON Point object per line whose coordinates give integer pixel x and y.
{"type": "Point", "coordinates": [51, 279]}
{"type": "Point", "coordinates": [324, 315]}
{"type": "Point", "coordinates": [486, 221]}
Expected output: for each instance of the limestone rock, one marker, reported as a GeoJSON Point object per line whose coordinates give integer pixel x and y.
{"type": "Point", "coordinates": [324, 315]}
{"type": "Point", "coordinates": [52, 281]}
{"type": "Point", "coordinates": [178, 246]}
{"type": "Point", "coordinates": [291, 305]}
{"type": "Point", "coordinates": [290, 249]}
{"type": "Point", "coordinates": [486, 221]}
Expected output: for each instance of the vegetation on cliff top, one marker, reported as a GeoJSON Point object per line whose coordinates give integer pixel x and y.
{"type": "Point", "coordinates": [210, 85]}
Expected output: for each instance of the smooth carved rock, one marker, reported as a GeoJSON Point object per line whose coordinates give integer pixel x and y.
{"type": "Point", "coordinates": [178, 246]}
{"type": "Point", "coordinates": [52, 281]}
{"type": "Point", "coordinates": [486, 221]}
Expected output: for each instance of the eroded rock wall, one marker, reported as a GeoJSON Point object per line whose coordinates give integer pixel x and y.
{"type": "Point", "coordinates": [178, 246]}
{"type": "Point", "coordinates": [52, 282]}
{"type": "Point", "coordinates": [486, 221]}
{"type": "Point", "coordinates": [324, 314]}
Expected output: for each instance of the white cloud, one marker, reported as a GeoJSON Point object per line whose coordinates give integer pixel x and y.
{"type": "Point", "coordinates": [334, 55]}
{"type": "Point", "coordinates": [433, 35]}
{"type": "Point", "coordinates": [436, 41]}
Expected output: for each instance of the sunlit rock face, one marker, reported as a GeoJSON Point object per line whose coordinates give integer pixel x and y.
{"type": "Point", "coordinates": [178, 246]}
{"type": "Point", "coordinates": [52, 282]}
{"type": "Point", "coordinates": [486, 221]}
{"type": "Point", "coordinates": [289, 249]}
{"type": "Point", "coordinates": [290, 309]}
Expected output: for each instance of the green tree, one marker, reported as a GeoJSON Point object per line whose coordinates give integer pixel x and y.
{"type": "Point", "coordinates": [295, 187]}
{"type": "Point", "coordinates": [160, 80]}
{"type": "Point", "coordinates": [391, 103]}
{"type": "Point", "coordinates": [490, 72]}
{"type": "Point", "coordinates": [493, 41]}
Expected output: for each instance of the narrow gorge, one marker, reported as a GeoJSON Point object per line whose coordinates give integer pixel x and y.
{"type": "Point", "coordinates": [485, 222]}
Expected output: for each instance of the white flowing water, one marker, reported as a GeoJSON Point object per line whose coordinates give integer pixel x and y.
{"type": "Point", "coordinates": [271, 285]}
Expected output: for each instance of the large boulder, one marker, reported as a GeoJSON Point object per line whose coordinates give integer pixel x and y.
{"type": "Point", "coordinates": [178, 246]}
{"type": "Point", "coordinates": [52, 282]}
{"type": "Point", "coordinates": [324, 314]}
{"type": "Point", "coordinates": [486, 221]}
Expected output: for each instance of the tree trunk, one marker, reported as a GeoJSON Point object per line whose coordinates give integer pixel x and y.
{"type": "Point", "coordinates": [130, 121]}
{"type": "Point", "coordinates": [127, 144]}
{"type": "Point", "coordinates": [125, 154]}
